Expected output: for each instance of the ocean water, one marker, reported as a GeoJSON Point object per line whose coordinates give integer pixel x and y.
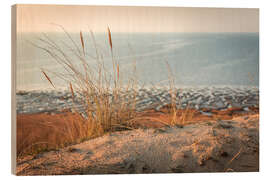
{"type": "Point", "coordinates": [196, 59]}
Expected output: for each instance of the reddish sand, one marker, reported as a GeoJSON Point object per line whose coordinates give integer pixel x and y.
{"type": "Point", "coordinates": [44, 130]}
{"type": "Point", "coordinates": [154, 119]}
{"type": "Point", "coordinates": [51, 131]}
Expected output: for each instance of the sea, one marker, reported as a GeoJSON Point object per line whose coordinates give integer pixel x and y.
{"type": "Point", "coordinates": [193, 59]}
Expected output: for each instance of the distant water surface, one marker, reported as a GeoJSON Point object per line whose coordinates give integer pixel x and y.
{"type": "Point", "coordinates": [196, 59]}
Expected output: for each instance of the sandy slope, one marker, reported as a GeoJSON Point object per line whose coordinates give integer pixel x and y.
{"type": "Point", "coordinates": [231, 145]}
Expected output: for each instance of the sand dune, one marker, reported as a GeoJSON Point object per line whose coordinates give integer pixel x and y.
{"type": "Point", "coordinates": [225, 145]}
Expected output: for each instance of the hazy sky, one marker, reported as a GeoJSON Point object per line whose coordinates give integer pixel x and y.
{"type": "Point", "coordinates": [39, 18]}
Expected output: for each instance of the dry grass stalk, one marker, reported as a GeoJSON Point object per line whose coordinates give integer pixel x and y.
{"type": "Point", "coordinates": [82, 42]}
{"type": "Point", "coordinates": [72, 92]}
{"type": "Point", "coordinates": [117, 72]}
{"type": "Point", "coordinates": [47, 77]}
{"type": "Point", "coordinates": [110, 38]}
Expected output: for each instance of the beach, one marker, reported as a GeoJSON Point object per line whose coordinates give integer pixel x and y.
{"type": "Point", "coordinates": [220, 124]}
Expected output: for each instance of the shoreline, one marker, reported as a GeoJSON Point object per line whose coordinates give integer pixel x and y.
{"type": "Point", "coordinates": [208, 97]}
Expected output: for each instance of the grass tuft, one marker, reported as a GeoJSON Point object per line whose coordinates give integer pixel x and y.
{"type": "Point", "coordinates": [108, 103]}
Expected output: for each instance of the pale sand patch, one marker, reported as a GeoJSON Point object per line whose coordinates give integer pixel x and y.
{"type": "Point", "coordinates": [229, 145]}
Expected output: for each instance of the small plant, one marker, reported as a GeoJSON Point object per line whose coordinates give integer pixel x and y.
{"type": "Point", "coordinates": [176, 118]}
{"type": "Point", "coordinates": [172, 90]}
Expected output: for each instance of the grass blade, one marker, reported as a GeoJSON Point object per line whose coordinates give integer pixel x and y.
{"type": "Point", "coordinates": [117, 72]}
{"type": "Point", "coordinates": [71, 89]}
{"type": "Point", "coordinates": [82, 42]}
{"type": "Point", "coordinates": [110, 37]}
{"type": "Point", "coordinates": [47, 77]}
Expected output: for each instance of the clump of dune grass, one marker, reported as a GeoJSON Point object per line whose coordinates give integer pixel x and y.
{"type": "Point", "coordinates": [172, 91]}
{"type": "Point", "coordinates": [177, 118]}
{"type": "Point", "coordinates": [108, 99]}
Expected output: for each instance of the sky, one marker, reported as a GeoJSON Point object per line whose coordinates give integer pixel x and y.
{"type": "Point", "coordinates": [41, 18]}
